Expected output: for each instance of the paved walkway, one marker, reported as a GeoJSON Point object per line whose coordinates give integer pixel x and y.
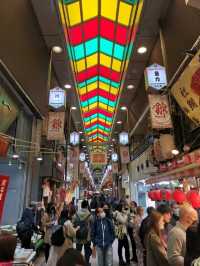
{"type": "Point", "coordinates": [40, 261]}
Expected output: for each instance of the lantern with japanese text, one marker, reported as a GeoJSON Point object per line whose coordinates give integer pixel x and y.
{"type": "Point", "coordinates": [179, 196]}
{"type": "Point", "coordinates": [166, 194]}
{"type": "Point", "coordinates": [193, 198]}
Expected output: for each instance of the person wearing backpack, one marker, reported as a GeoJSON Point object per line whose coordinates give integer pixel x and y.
{"type": "Point", "coordinates": [61, 239]}
{"type": "Point", "coordinates": [103, 236]}
{"type": "Point", "coordinates": [26, 227]}
{"type": "Point", "coordinates": [83, 219]}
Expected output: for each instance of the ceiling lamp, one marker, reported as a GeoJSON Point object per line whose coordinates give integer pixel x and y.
{"type": "Point", "coordinates": [175, 152]}
{"type": "Point", "coordinates": [59, 164]}
{"type": "Point", "coordinates": [15, 156]}
{"type": "Point", "coordinates": [123, 108]}
{"type": "Point", "coordinates": [119, 122]}
{"type": "Point", "coordinates": [39, 158]}
{"type": "Point", "coordinates": [73, 108]}
{"type": "Point", "coordinates": [113, 140]}
{"type": "Point", "coordinates": [142, 50]}
{"type": "Point", "coordinates": [74, 138]}
{"type": "Point", "coordinates": [57, 49]}
{"type": "Point", "coordinates": [82, 140]}
{"type": "Point", "coordinates": [115, 157]}
{"type": "Point", "coordinates": [67, 86]}
{"type": "Point", "coordinates": [82, 157]}
{"type": "Point", "coordinates": [123, 138]}
{"type": "Point", "coordinates": [80, 132]}
{"type": "Point", "coordinates": [130, 87]}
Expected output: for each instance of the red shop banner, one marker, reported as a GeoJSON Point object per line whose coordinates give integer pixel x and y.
{"type": "Point", "coordinates": [4, 180]}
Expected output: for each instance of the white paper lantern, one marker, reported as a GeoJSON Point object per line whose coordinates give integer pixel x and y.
{"type": "Point", "coordinates": [123, 138]}
{"type": "Point", "coordinates": [82, 157]}
{"type": "Point", "coordinates": [74, 138]}
{"type": "Point", "coordinates": [115, 157]}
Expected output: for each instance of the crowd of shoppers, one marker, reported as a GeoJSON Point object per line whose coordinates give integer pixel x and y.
{"type": "Point", "coordinates": [168, 235]}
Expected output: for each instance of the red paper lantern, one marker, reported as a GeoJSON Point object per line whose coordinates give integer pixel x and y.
{"type": "Point", "coordinates": [158, 195]}
{"type": "Point", "coordinates": [179, 196]}
{"type": "Point", "coordinates": [193, 197]}
{"type": "Point", "coordinates": [166, 194]}
{"type": "Point", "coordinates": [151, 194]}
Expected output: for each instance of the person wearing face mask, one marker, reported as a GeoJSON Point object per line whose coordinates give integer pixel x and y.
{"type": "Point", "coordinates": [155, 244]}
{"type": "Point", "coordinates": [121, 219]}
{"type": "Point", "coordinates": [175, 213]}
{"type": "Point", "coordinates": [103, 236]}
{"type": "Point", "coordinates": [176, 248]}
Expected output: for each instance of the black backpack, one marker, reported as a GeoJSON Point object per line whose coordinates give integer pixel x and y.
{"type": "Point", "coordinates": [23, 227]}
{"type": "Point", "coordinates": [82, 232]}
{"type": "Point", "coordinates": [57, 237]}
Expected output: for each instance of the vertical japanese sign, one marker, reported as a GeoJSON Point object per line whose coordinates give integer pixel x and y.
{"type": "Point", "coordinates": [99, 158]}
{"type": "Point", "coordinates": [4, 180]}
{"type": "Point", "coordinates": [75, 162]}
{"type": "Point", "coordinates": [82, 167]}
{"type": "Point", "coordinates": [56, 124]}
{"type": "Point", "coordinates": [115, 168]}
{"type": "Point", "coordinates": [186, 90]}
{"type": "Point", "coordinates": [124, 154]}
{"type": "Point", "coordinates": [160, 113]}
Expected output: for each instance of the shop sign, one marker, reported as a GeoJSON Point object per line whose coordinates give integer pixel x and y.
{"type": "Point", "coordinates": [115, 168]}
{"type": "Point", "coordinates": [124, 154]}
{"type": "Point", "coordinates": [155, 77]}
{"type": "Point", "coordinates": [4, 145]}
{"type": "Point", "coordinates": [160, 113]}
{"type": "Point", "coordinates": [99, 158]}
{"type": "Point", "coordinates": [56, 124]}
{"type": "Point", "coordinates": [4, 180]}
{"type": "Point", "coordinates": [57, 97]}
{"type": "Point", "coordinates": [187, 90]}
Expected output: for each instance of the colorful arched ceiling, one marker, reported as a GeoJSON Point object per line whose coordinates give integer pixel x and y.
{"type": "Point", "coordinates": [99, 36]}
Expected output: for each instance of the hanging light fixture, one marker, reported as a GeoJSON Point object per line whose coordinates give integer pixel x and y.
{"type": "Point", "coordinates": [114, 157]}
{"type": "Point", "coordinates": [123, 138]}
{"type": "Point", "coordinates": [74, 138]}
{"type": "Point", "coordinates": [82, 157]}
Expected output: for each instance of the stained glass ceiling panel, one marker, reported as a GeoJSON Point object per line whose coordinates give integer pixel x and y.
{"type": "Point", "coordinates": [99, 37]}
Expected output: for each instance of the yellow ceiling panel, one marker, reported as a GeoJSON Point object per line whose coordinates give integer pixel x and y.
{"type": "Point", "coordinates": [93, 106]}
{"type": "Point", "coordinates": [105, 60]}
{"type": "Point", "coordinates": [82, 91]}
{"type": "Point", "coordinates": [109, 9]}
{"type": "Point", "coordinates": [139, 12]}
{"type": "Point", "coordinates": [124, 13]}
{"type": "Point", "coordinates": [90, 9]}
{"type": "Point", "coordinates": [92, 86]}
{"type": "Point", "coordinates": [74, 13]}
{"type": "Point", "coordinates": [104, 86]}
{"type": "Point", "coordinates": [116, 65]}
{"type": "Point", "coordinates": [103, 106]}
{"type": "Point", "coordinates": [80, 65]}
{"type": "Point", "coordinates": [92, 60]}
{"type": "Point", "coordinates": [110, 109]}
{"type": "Point", "coordinates": [114, 90]}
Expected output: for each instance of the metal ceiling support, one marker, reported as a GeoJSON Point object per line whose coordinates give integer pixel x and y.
{"type": "Point", "coordinates": [143, 115]}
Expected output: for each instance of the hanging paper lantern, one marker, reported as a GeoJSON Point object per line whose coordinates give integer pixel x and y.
{"type": "Point", "coordinates": [158, 195]}
{"type": "Point", "coordinates": [166, 194]}
{"type": "Point", "coordinates": [179, 196]}
{"type": "Point", "coordinates": [193, 198]}
{"type": "Point", "coordinates": [151, 194]}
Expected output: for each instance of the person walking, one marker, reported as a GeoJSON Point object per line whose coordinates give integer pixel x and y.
{"type": "Point", "coordinates": [155, 244]}
{"type": "Point", "coordinates": [102, 236]}
{"type": "Point", "coordinates": [48, 221]}
{"type": "Point", "coordinates": [61, 239]}
{"type": "Point", "coordinates": [176, 249]}
{"type": "Point", "coordinates": [121, 219]}
{"type": "Point", "coordinates": [83, 219]}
